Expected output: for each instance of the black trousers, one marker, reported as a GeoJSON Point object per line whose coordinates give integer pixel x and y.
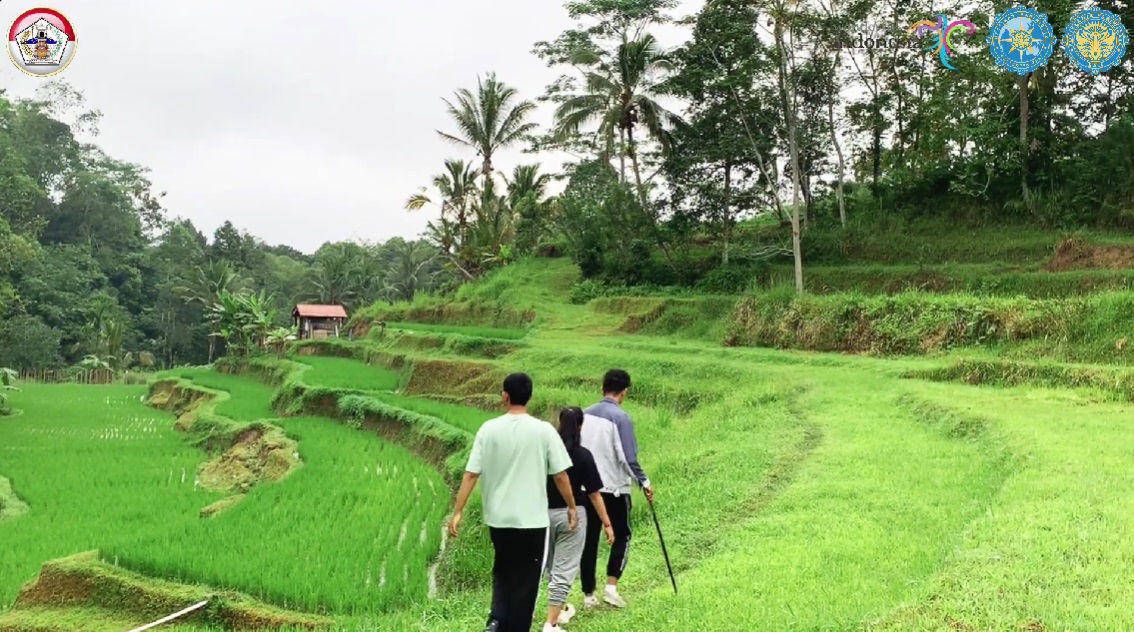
{"type": "Point", "coordinates": [618, 509]}
{"type": "Point", "coordinates": [516, 572]}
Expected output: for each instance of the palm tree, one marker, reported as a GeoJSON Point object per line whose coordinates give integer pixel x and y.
{"type": "Point", "coordinates": [493, 230]}
{"type": "Point", "coordinates": [458, 189]}
{"type": "Point", "coordinates": [409, 269]}
{"type": "Point", "coordinates": [489, 121]}
{"type": "Point", "coordinates": [526, 198]}
{"type": "Point", "coordinates": [620, 95]}
{"type": "Point", "coordinates": [334, 278]}
{"type": "Point", "coordinates": [205, 287]}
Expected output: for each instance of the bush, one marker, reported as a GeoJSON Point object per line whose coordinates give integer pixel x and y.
{"type": "Point", "coordinates": [587, 290]}
{"type": "Point", "coordinates": [734, 279]}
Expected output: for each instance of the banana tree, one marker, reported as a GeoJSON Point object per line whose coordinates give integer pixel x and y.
{"type": "Point", "coordinates": [205, 286]}
{"type": "Point", "coordinates": [242, 320]}
{"type": "Point", "coordinates": [278, 338]}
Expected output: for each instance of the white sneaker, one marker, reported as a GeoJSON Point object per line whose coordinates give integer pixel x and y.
{"type": "Point", "coordinates": [567, 612]}
{"type": "Point", "coordinates": [612, 597]}
{"type": "Point", "coordinates": [547, 627]}
{"type": "Point", "coordinates": [590, 601]}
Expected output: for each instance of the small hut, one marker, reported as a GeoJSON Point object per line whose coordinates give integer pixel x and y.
{"type": "Point", "coordinates": [319, 321]}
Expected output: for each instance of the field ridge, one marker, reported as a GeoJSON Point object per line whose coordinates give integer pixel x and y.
{"type": "Point", "coordinates": [247, 454]}
{"type": "Point", "coordinates": [84, 580]}
{"type": "Point", "coordinates": [11, 506]}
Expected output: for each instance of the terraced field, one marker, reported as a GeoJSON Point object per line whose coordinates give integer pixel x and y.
{"type": "Point", "coordinates": [797, 490]}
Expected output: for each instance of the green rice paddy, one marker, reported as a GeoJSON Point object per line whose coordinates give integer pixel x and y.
{"type": "Point", "coordinates": [474, 331]}
{"type": "Point", "coordinates": [796, 491]}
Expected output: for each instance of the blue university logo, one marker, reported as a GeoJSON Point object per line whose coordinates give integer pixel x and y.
{"type": "Point", "coordinates": [1021, 40]}
{"type": "Point", "coordinates": [1095, 41]}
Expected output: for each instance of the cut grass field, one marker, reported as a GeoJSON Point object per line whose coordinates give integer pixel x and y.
{"type": "Point", "coordinates": [796, 491]}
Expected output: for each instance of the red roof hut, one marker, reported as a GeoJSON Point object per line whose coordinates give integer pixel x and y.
{"type": "Point", "coordinates": [319, 321]}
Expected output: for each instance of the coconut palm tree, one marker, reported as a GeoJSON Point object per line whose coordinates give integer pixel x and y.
{"type": "Point", "coordinates": [409, 269]}
{"type": "Point", "coordinates": [489, 121]}
{"type": "Point", "coordinates": [526, 198]}
{"type": "Point", "coordinates": [205, 286]}
{"type": "Point", "coordinates": [620, 95]}
{"type": "Point", "coordinates": [334, 278]}
{"type": "Point", "coordinates": [458, 189]}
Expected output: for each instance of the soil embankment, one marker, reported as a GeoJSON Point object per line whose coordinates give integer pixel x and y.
{"type": "Point", "coordinates": [245, 455]}
{"type": "Point", "coordinates": [1074, 254]}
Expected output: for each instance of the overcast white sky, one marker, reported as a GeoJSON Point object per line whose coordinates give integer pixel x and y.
{"type": "Point", "coordinates": [302, 122]}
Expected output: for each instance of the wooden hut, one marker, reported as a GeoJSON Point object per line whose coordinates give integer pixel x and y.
{"type": "Point", "coordinates": [319, 321]}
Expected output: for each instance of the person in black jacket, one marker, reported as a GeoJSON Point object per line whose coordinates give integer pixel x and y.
{"type": "Point", "coordinates": [565, 546]}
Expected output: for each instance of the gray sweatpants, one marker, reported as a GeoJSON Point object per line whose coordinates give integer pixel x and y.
{"type": "Point", "coordinates": [564, 551]}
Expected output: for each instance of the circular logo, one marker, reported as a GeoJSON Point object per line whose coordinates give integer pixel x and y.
{"type": "Point", "coordinates": [41, 42]}
{"type": "Point", "coordinates": [1095, 40]}
{"type": "Point", "coordinates": [1021, 40]}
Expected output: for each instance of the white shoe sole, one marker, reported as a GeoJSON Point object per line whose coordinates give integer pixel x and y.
{"type": "Point", "coordinates": [616, 602]}
{"type": "Point", "coordinates": [566, 615]}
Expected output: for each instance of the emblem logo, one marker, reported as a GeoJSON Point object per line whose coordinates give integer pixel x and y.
{"type": "Point", "coordinates": [1095, 40]}
{"type": "Point", "coordinates": [41, 42]}
{"type": "Point", "coordinates": [944, 30]}
{"type": "Point", "coordinates": [1021, 40]}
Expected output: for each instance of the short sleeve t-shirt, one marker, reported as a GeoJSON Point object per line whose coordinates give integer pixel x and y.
{"type": "Point", "coordinates": [514, 455]}
{"type": "Point", "coordinates": [584, 477]}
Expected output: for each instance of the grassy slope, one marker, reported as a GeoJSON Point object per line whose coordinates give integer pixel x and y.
{"type": "Point", "coordinates": [819, 492]}
{"type": "Point", "coordinates": [833, 495]}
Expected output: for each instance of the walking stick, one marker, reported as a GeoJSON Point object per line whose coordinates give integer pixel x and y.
{"type": "Point", "coordinates": [669, 566]}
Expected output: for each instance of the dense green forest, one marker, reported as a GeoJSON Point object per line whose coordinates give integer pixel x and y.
{"type": "Point", "coordinates": [782, 119]}
{"type": "Point", "coordinates": [93, 270]}
{"type": "Point", "coordinates": [786, 144]}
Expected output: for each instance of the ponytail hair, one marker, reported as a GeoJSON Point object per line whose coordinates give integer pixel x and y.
{"type": "Point", "coordinates": [571, 427]}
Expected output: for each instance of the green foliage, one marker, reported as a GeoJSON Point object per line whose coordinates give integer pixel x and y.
{"type": "Point", "coordinates": [1076, 329]}
{"type": "Point", "coordinates": [243, 321]}
{"type": "Point", "coordinates": [477, 332]}
{"type": "Point", "coordinates": [350, 374]}
{"type": "Point", "coordinates": [7, 377]}
{"type": "Point", "coordinates": [27, 342]}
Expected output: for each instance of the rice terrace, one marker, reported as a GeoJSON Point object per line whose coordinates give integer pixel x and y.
{"type": "Point", "coordinates": [877, 316]}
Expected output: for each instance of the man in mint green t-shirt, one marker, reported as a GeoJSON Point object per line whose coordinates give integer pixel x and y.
{"type": "Point", "coordinates": [512, 456]}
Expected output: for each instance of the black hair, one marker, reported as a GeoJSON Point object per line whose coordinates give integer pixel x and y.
{"type": "Point", "coordinates": [571, 427]}
{"type": "Point", "coordinates": [615, 381]}
{"type": "Point", "coordinates": [518, 386]}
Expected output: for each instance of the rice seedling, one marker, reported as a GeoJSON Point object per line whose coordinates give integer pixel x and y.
{"type": "Point", "coordinates": [463, 417]}
{"type": "Point", "coordinates": [467, 330]}
{"type": "Point", "coordinates": [96, 467]}
{"type": "Point", "coordinates": [347, 373]}
{"type": "Point", "coordinates": [353, 530]}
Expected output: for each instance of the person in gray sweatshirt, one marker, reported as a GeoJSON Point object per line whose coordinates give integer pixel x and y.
{"type": "Point", "coordinates": [608, 434]}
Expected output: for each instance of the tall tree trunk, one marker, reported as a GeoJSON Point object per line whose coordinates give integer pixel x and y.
{"type": "Point", "coordinates": [770, 178]}
{"type": "Point", "coordinates": [644, 201]}
{"type": "Point", "coordinates": [793, 145]}
{"type": "Point", "coordinates": [876, 150]}
{"type": "Point", "coordinates": [726, 212]}
{"type": "Point", "coordinates": [623, 147]}
{"type": "Point", "coordinates": [1024, 153]}
{"type": "Point", "coordinates": [840, 164]}
{"type": "Point", "coordinates": [212, 342]}
{"type": "Point", "coordinates": [632, 149]}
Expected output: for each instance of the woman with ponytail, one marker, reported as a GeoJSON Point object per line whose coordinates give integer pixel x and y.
{"type": "Point", "coordinates": [565, 546]}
